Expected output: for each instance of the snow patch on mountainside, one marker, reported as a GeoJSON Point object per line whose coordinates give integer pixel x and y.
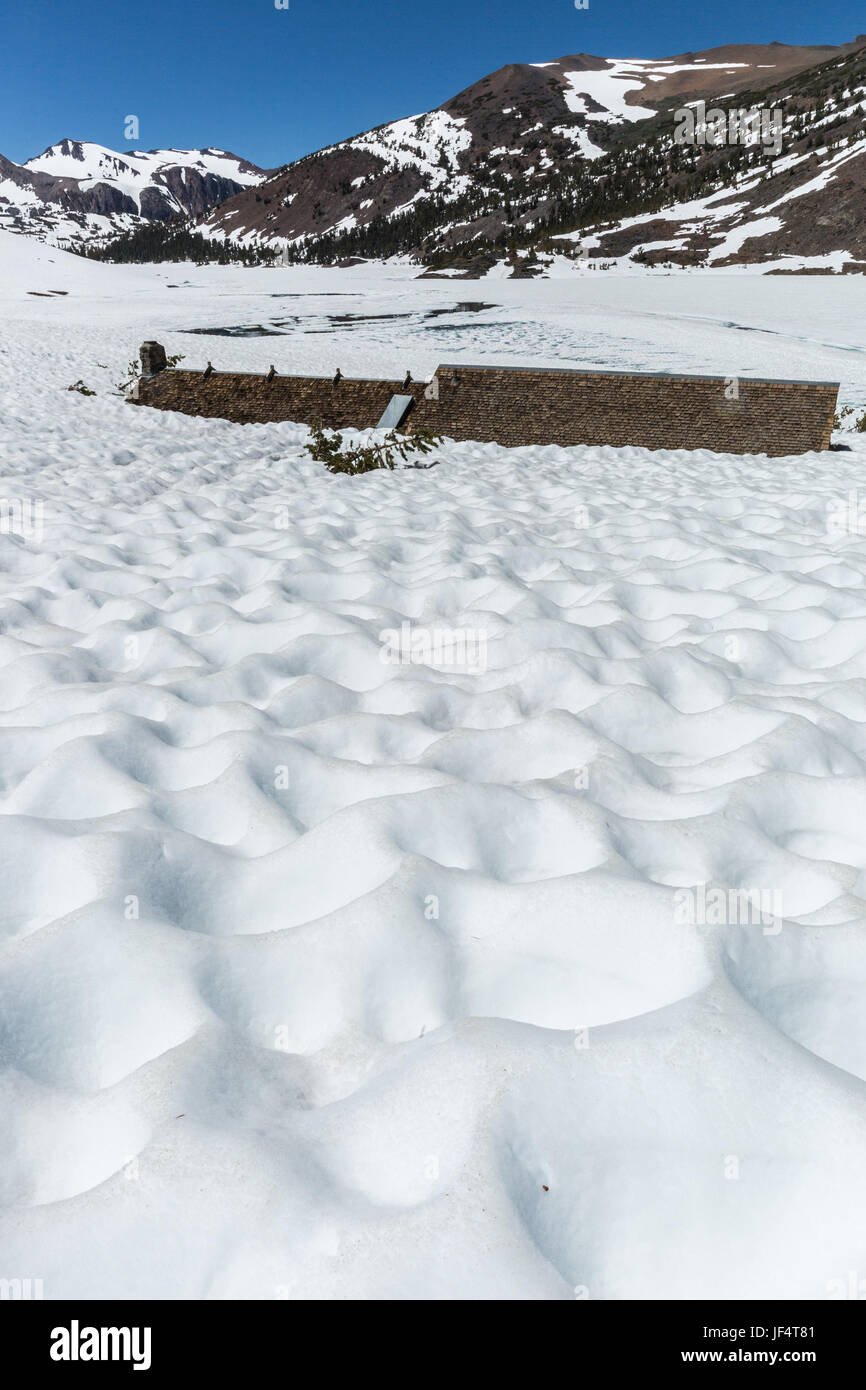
{"type": "Point", "coordinates": [430, 143]}
{"type": "Point", "coordinates": [607, 90]}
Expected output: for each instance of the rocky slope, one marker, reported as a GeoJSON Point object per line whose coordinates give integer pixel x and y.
{"type": "Point", "coordinates": [535, 152]}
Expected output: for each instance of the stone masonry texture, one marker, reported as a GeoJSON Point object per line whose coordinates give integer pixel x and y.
{"type": "Point", "coordinates": [526, 406]}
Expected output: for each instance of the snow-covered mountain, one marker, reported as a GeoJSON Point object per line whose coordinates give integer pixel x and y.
{"type": "Point", "coordinates": [80, 191]}
{"type": "Point", "coordinates": [536, 151]}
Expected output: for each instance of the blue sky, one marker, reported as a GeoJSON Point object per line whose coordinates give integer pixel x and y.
{"type": "Point", "coordinates": [274, 84]}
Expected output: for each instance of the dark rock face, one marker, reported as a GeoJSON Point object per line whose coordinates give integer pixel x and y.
{"type": "Point", "coordinates": [101, 198]}
{"type": "Point", "coordinates": [72, 149]}
{"type": "Point", "coordinates": [198, 193]}
{"type": "Point", "coordinates": [155, 206]}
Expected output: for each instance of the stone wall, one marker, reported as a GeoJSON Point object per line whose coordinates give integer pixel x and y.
{"type": "Point", "coordinates": [529, 406]}
{"type": "Point", "coordinates": [247, 399]}
{"type": "Point", "coordinates": [520, 406]}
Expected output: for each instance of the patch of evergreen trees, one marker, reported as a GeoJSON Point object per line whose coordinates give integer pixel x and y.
{"type": "Point", "coordinates": [174, 240]}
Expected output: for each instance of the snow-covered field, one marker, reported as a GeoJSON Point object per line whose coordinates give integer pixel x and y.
{"type": "Point", "coordinates": [327, 977]}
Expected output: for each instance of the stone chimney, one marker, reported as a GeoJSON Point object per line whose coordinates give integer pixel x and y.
{"type": "Point", "coordinates": [152, 358]}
